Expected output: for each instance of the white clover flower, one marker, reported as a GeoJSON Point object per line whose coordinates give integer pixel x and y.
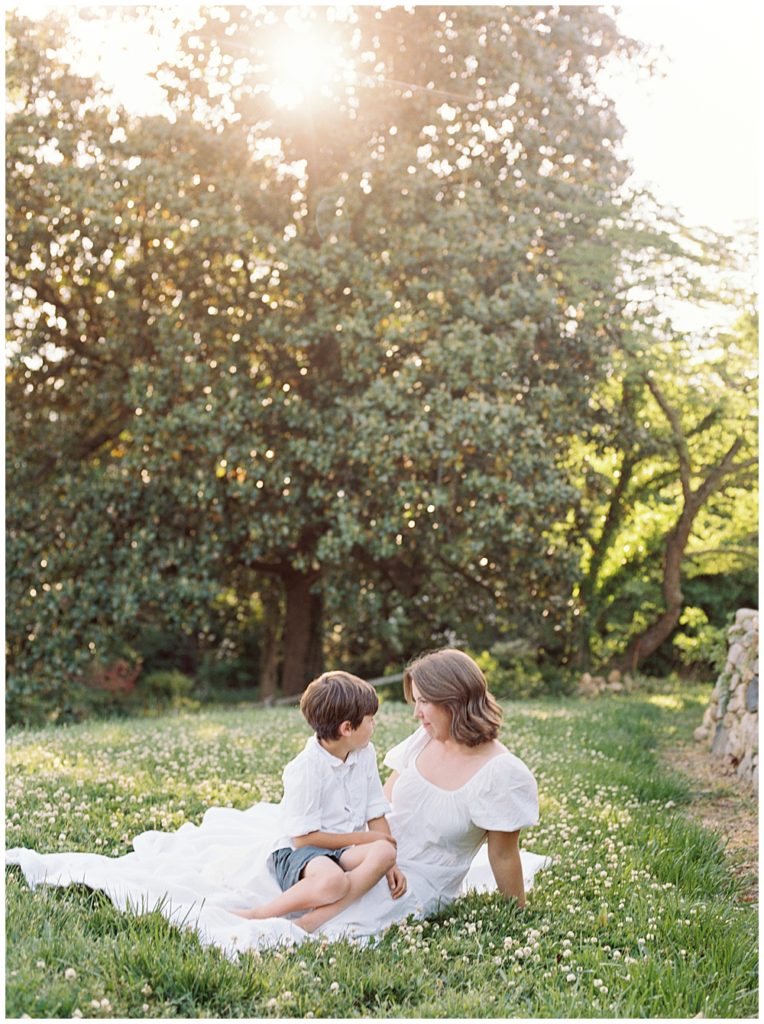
{"type": "Point", "coordinates": [334, 987]}
{"type": "Point", "coordinates": [70, 973]}
{"type": "Point", "coordinates": [146, 990]}
{"type": "Point", "coordinates": [77, 1012]}
{"type": "Point", "coordinates": [40, 963]}
{"type": "Point", "coordinates": [271, 1003]}
{"type": "Point", "coordinates": [570, 977]}
{"type": "Point", "coordinates": [597, 982]}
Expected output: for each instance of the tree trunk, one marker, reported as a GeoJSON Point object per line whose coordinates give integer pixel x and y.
{"type": "Point", "coordinates": [580, 655]}
{"type": "Point", "coordinates": [273, 618]}
{"type": "Point", "coordinates": [649, 640]}
{"type": "Point", "coordinates": [302, 632]}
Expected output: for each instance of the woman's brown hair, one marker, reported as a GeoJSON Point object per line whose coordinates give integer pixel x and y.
{"type": "Point", "coordinates": [334, 698]}
{"type": "Point", "coordinates": [451, 679]}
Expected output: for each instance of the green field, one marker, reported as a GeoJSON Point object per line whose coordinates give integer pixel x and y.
{"type": "Point", "coordinates": [639, 917]}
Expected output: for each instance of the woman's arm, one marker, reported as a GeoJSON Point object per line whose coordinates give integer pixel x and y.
{"type": "Point", "coordinates": [387, 789]}
{"type": "Point", "coordinates": [504, 858]}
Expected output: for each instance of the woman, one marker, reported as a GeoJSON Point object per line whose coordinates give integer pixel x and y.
{"type": "Point", "coordinates": [453, 786]}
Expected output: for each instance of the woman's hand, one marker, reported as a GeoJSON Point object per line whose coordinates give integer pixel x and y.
{"type": "Point", "coordinates": [396, 880]}
{"type": "Point", "coordinates": [504, 858]}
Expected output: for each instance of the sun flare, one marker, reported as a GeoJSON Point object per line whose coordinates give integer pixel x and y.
{"type": "Point", "coordinates": [303, 65]}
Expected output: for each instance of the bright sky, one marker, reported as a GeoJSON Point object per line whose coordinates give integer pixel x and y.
{"type": "Point", "coordinates": [693, 133]}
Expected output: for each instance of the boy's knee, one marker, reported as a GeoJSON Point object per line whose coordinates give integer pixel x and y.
{"type": "Point", "coordinates": [385, 853]}
{"type": "Point", "coordinates": [336, 886]}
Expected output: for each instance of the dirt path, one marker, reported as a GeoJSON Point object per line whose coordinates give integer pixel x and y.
{"type": "Point", "coordinates": [722, 803]}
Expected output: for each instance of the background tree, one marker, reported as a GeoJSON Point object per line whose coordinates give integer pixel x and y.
{"type": "Point", "coordinates": [670, 487]}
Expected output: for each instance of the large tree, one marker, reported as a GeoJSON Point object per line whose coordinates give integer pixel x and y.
{"type": "Point", "coordinates": [341, 340]}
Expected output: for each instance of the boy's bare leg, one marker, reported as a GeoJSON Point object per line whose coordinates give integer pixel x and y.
{"type": "Point", "coordinates": [365, 865]}
{"type": "Point", "coordinates": [323, 881]}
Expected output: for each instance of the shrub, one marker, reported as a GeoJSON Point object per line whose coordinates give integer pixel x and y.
{"type": "Point", "coordinates": [701, 644]}
{"type": "Point", "coordinates": [510, 671]}
{"type": "Point", "coordinates": [165, 689]}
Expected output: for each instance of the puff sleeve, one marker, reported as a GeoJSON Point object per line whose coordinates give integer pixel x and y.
{"type": "Point", "coordinates": [508, 797]}
{"type": "Point", "coordinates": [404, 754]}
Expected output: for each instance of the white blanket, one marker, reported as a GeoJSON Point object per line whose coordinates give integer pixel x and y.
{"type": "Point", "coordinates": [198, 874]}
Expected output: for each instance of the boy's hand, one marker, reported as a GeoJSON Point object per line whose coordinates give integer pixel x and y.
{"type": "Point", "coordinates": [396, 880]}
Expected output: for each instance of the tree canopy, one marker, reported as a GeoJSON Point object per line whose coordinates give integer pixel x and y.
{"type": "Point", "coordinates": [340, 350]}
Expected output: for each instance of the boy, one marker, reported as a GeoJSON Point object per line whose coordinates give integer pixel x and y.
{"type": "Point", "coordinates": [332, 792]}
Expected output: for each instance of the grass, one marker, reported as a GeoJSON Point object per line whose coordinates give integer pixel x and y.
{"type": "Point", "coordinates": [639, 917]}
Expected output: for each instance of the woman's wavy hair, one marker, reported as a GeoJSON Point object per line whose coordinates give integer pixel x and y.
{"type": "Point", "coordinates": [452, 679]}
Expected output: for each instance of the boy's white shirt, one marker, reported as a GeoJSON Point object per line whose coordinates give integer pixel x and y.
{"type": "Point", "coordinates": [326, 794]}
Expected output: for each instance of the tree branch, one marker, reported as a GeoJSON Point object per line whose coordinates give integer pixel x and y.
{"type": "Point", "coordinates": [680, 441]}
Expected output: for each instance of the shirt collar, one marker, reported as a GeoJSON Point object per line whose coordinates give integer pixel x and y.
{"type": "Point", "coordinates": [334, 762]}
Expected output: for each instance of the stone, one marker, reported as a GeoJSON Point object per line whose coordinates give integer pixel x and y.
{"type": "Point", "coordinates": [599, 681]}
{"type": "Point", "coordinates": [615, 687]}
{"type": "Point", "coordinates": [723, 702]}
{"type": "Point", "coordinates": [614, 676]}
{"type": "Point", "coordinates": [745, 615]}
{"type": "Point", "coordinates": [735, 745]}
{"type": "Point", "coordinates": [730, 723]}
{"type": "Point", "coordinates": [720, 740]}
{"type": "Point", "coordinates": [736, 653]}
{"type": "Point", "coordinates": [749, 725]}
{"type": "Point", "coordinates": [752, 695]}
{"type": "Point", "coordinates": [587, 687]}
{"type": "Point", "coordinates": [736, 701]}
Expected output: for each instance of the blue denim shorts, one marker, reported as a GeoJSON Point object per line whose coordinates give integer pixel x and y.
{"type": "Point", "coordinates": [290, 864]}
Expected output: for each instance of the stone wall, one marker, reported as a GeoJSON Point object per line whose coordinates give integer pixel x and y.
{"type": "Point", "coordinates": [731, 723]}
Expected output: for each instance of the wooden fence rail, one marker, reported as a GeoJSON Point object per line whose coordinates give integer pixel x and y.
{"type": "Point", "coordinates": [294, 698]}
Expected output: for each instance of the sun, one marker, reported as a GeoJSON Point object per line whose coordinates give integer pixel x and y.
{"type": "Point", "coordinates": [303, 65]}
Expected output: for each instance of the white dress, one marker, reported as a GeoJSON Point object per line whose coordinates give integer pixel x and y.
{"type": "Point", "coordinates": [198, 874]}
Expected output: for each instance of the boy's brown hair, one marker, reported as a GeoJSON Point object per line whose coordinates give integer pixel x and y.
{"type": "Point", "coordinates": [334, 698]}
